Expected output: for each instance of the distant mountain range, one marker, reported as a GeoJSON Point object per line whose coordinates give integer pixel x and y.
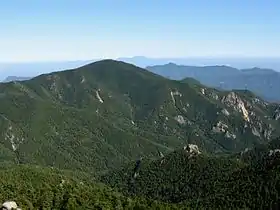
{"type": "Point", "coordinates": [263, 82]}
{"type": "Point", "coordinates": [14, 78]}
{"type": "Point", "coordinates": [32, 69]}
{"type": "Point", "coordinates": [240, 63]}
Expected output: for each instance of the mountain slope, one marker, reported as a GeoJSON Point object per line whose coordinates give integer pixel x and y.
{"type": "Point", "coordinates": [202, 181]}
{"type": "Point", "coordinates": [107, 113]}
{"type": "Point", "coordinates": [263, 82]}
{"type": "Point", "coordinates": [33, 187]}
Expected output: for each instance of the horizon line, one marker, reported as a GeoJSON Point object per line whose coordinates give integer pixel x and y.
{"type": "Point", "coordinates": [144, 57]}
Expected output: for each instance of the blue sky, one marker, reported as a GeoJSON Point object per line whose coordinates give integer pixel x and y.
{"type": "Point", "coordinates": [39, 30]}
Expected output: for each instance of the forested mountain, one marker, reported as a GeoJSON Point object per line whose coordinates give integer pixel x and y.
{"type": "Point", "coordinates": [190, 178]}
{"type": "Point", "coordinates": [263, 82]}
{"type": "Point", "coordinates": [104, 116]}
{"type": "Point", "coordinates": [106, 113]}
{"type": "Point", "coordinates": [34, 187]}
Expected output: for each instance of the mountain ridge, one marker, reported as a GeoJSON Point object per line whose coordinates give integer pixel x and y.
{"type": "Point", "coordinates": [123, 111]}
{"type": "Point", "coordinates": [262, 81]}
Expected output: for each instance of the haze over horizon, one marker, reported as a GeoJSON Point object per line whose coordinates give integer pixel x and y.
{"type": "Point", "coordinates": [86, 30]}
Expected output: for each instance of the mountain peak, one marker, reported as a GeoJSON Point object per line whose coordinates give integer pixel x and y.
{"type": "Point", "coordinates": [110, 63]}
{"type": "Point", "coordinates": [103, 61]}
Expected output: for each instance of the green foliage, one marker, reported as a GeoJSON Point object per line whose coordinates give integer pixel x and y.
{"type": "Point", "coordinates": [215, 182]}
{"type": "Point", "coordinates": [33, 187]}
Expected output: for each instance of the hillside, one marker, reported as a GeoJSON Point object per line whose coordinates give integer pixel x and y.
{"type": "Point", "coordinates": [263, 82]}
{"type": "Point", "coordinates": [104, 114]}
{"type": "Point", "coordinates": [197, 180]}
{"type": "Point", "coordinates": [34, 187]}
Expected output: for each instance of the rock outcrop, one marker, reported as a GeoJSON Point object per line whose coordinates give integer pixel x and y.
{"type": "Point", "coordinates": [192, 150]}
{"type": "Point", "coordinates": [235, 101]}
{"type": "Point", "coordinates": [10, 205]}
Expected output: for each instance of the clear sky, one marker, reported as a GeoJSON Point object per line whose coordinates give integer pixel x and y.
{"type": "Point", "coordinates": [48, 30]}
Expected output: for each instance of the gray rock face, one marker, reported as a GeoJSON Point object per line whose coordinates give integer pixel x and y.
{"type": "Point", "coordinates": [277, 114]}
{"type": "Point", "coordinates": [235, 101]}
